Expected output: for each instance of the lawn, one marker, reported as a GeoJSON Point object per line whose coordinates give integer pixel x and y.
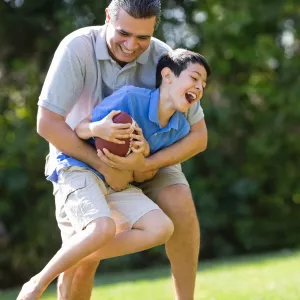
{"type": "Point", "coordinates": [263, 277]}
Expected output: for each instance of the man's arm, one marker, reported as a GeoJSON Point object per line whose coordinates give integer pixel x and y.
{"type": "Point", "coordinates": [194, 143]}
{"type": "Point", "coordinates": [55, 130]}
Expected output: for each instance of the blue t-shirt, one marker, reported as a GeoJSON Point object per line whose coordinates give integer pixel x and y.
{"type": "Point", "coordinates": [142, 105]}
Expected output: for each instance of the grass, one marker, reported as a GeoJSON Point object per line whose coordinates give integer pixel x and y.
{"type": "Point", "coordinates": [263, 277]}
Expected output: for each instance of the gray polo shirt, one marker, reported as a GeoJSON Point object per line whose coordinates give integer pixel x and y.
{"type": "Point", "coordinates": [82, 73]}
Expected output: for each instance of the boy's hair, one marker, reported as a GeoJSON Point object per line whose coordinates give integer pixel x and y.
{"type": "Point", "coordinates": [178, 60]}
{"type": "Point", "coordinates": [138, 9]}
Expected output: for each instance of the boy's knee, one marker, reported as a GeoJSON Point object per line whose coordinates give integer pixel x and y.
{"type": "Point", "coordinates": [103, 228]}
{"type": "Point", "coordinates": [163, 229]}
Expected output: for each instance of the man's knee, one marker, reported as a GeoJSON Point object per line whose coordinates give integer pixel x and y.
{"type": "Point", "coordinates": [177, 202]}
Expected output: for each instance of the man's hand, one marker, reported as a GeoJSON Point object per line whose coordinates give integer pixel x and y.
{"type": "Point", "coordinates": [110, 131]}
{"type": "Point", "coordinates": [143, 176]}
{"type": "Point", "coordinates": [117, 179]}
{"type": "Point", "coordinates": [132, 162]}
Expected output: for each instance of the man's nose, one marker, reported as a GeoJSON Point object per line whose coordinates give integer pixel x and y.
{"type": "Point", "coordinates": [131, 44]}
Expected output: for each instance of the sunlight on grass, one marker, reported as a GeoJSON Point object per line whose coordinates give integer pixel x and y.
{"type": "Point", "coordinates": [267, 277]}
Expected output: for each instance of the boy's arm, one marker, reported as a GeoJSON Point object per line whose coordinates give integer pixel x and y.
{"type": "Point", "coordinates": [105, 128]}
{"type": "Point", "coordinates": [83, 129]}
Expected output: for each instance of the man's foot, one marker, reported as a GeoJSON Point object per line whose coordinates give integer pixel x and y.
{"type": "Point", "coordinates": [30, 290]}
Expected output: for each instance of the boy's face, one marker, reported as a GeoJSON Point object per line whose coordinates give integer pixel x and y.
{"type": "Point", "coordinates": [188, 87]}
{"type": "Point", "coordinates": [127, 37]}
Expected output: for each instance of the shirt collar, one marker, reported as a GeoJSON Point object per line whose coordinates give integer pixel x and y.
{"type": "Point", "coordinates": [143, 58]}
{"type": "Point", "coordinates": [101, 46]}
{"type": "Point", "coordinates": [153, 112]}
{"type": "Point", "coordinates": [102, 51]}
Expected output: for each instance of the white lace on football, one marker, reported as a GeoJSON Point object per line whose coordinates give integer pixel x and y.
{"type": "Point", "coordinates": [132, 126]}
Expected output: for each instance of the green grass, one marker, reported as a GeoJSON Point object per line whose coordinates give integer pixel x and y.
{"type": "Point", "coordinates": [263, 277]}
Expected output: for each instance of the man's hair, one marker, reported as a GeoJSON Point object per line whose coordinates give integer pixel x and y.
{"type": "Point", "coordinates": [138, 9]}
{"type": "Point", "coordinates": [178, 60]}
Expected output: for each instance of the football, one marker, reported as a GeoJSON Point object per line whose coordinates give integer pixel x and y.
{"type": "Point", "coordinates": [117, 149]}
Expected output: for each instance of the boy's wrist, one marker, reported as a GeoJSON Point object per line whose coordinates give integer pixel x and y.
{"type": "Point", "coordinates": [91, 129]}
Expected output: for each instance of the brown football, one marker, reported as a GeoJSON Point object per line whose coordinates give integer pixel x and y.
{"type": "Point", "coordinates": [117, 149]}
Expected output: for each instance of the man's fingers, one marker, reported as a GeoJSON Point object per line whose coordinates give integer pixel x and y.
{"type": "Point", "coordinates": [105, 158]}
{"type": "Point", "coordinates": [112, 157]}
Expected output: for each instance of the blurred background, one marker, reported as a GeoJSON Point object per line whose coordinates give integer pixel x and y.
{"type": "Point", "coordinates": [246, 184]}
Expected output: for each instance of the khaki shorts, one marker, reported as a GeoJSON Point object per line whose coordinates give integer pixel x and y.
{"type": "Point", "coordinates": [164, 177]}
{"type": "Point", "coordinates": [82, 197]}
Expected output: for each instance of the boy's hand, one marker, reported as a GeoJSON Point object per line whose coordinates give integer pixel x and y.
{"type": "Point", "coordinates": [110, 131]}
{"type": "Point", "coordinates": [143, 176]}
{"type": "Point", "coordinates": [139, 143]}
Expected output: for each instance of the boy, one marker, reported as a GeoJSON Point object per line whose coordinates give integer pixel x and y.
{"type": "Point", "coordinates": [180, 79]}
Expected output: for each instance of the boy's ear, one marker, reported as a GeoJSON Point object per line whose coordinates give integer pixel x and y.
{"type": "Point", "coordinates": [107, 19]}
{"type": "Point", "coordinates": [166, 75]}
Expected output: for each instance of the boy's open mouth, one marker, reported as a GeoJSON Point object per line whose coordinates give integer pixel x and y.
{"type": "Point", "coordinates": [190, 97]}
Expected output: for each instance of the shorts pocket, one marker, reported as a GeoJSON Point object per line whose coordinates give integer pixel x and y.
{"type": "Point", "coordinates": [72, 186]}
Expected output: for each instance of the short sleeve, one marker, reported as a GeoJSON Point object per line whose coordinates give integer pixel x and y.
{"type": "Point", "coordinates": [64, 81]}
{"type": "Point", "coordinates": [195, 113]}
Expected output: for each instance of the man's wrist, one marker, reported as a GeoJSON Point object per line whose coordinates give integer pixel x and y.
{"type": "Point", "coordinates": [148, 165]}
{"type": "Point", "coordinates": [147, 150]}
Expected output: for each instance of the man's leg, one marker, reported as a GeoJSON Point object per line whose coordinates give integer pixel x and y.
{"type": "Point", "coordinates": [82, 284]}
{"type": "Point", "coordinates": [170, 190]}
{"type": "Point", "coordinates": [183, 247]}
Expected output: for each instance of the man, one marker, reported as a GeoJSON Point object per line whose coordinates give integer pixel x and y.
{"type": "Point", "coordinates": [97, 61]}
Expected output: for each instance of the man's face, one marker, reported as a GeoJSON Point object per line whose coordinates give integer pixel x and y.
{"type": "Point", "coordinates": [127, 37]}
{"type": "Point", "coordinates": [188, 87]}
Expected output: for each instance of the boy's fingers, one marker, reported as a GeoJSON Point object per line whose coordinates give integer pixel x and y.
{"type": "Point", "coordinates": [121, 126]}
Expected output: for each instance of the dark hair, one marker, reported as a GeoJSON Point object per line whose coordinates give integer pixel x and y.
{"type": "Point", "coordinates": [178, 60]}
{"type": "Point", "coordinates": [138, 9]}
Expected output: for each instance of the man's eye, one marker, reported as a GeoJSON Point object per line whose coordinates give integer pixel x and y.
{"type": "Point", "coordinates": [193, 78]}
{"type": "Point", "coordinates": [143, 38]}
{"type": "Point", "coordinates": [123, 33]}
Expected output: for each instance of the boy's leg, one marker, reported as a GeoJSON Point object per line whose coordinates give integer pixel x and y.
{"type": "Point", "coordinates": [149, 227]}
{"type": "Point", "coordinates": [83, 204]}
{"type": "Point", "coordinates": [170, 190]}
{"type": "Point", "coordinates": [140, 222]}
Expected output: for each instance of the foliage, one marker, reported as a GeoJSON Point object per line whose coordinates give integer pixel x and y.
{"type": "Point", "coordinates": [245, 185]}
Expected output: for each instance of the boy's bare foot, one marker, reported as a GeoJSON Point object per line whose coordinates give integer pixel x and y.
{"type": "Point", "coordinates": [30, 290]}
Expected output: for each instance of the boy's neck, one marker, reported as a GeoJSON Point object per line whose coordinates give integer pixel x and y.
{"type": "Point", "coordinates": [165, 109]}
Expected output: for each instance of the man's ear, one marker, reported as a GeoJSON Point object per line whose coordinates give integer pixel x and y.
{"type": "Point", "coordinates": [166, 75]}
{"type": "Point", "coordinates": [107, 19]}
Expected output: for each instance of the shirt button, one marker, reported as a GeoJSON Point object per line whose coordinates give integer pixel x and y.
{"type": "Point", "coordinates": [155, 134]}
